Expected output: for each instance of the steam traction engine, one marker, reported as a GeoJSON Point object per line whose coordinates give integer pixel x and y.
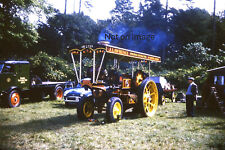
{"type": "Point", "coordinates": [111, 89]}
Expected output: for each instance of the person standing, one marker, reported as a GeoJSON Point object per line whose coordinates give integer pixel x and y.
{"type": "Point", "coordinates": [191, 95]}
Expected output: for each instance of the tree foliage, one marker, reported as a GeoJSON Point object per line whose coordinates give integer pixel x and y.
{"type": "Point", "coordinates": [179, 77]}
{"type": "Point", "coordinates": [77, 29]}
{"type": "Point", "coordinates": [184, 34]}
{"type": "Point", "coordinates": [123, 12]}
{"type": "Point", "coordinates": [51, 68]}
{"type": "Point", "coordinates": [192, 25]}
{"type": "Point", "coordinates": [153, 15]}
{"type": "Point", "coordinates": [193, 60]}
{"type": "Point", "coordinates": [17, 35]}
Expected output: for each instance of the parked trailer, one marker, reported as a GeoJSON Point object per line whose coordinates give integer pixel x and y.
{"type": "Point", "coordinates": [16, 83]}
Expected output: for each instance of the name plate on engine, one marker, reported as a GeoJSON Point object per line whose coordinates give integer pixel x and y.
{"type": "Point", "coordinates": [22, 80]}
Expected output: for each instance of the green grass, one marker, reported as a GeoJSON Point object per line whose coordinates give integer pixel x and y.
{"type": "Point", "coordinates": [50, 125]}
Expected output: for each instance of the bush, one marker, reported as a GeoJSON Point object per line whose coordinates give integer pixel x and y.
{"type": "Point", "coordinates": [193, 54]}
{"type": "Point", "coordinates": [51, 68]}
{"type": "Point", "coordinates": [179, 77]}
{"type": "Point", "coordinates": [192, 60]}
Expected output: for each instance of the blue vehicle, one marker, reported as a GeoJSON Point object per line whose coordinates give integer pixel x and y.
{"type": "Point", "coordinates": [73, 95]}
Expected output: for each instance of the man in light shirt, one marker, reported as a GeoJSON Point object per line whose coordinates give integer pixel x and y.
{"type": "Point", "coordinates": [191, 95]}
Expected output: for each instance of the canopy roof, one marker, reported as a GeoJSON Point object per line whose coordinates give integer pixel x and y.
{"type": "Point", "coordinates": [88, 49]}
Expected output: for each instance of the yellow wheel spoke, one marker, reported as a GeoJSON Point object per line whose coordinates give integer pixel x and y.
{"type": "Point", "coordinates": [151, 104]}
{"type": "Point", "coordinates": [153, 93]}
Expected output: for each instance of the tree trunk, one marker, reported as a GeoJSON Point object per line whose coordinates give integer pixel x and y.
{"type": "Point", "coordinates": [65, 6]}
{"type": "Point", "coordinates": [80, 6]}
{"type": "Point", "coordinates": [214, 28]}
{"type": "Point", "coordinates": [74, 6]}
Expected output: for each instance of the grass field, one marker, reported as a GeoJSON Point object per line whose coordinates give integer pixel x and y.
{"type": "Point", "coordinates": [50, 125]}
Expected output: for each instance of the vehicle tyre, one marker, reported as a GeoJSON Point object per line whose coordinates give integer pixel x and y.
{"type": "Point", "coordinates": [85, 108]}
{"type": "Point", "coordinates": [114, 110]}
{"type": "Point", "coordinates": [162, 100]}
{"type": "Point", "coordinates": [57, 93]}
{"type": "Point", "coordinates": [138, 78]}
{"type": "Point", "coordinates": [173, 97]}
{"type": "Point", "coordinates": [148, 98]}
{"type": "Point", "coordinates": [14, 99]}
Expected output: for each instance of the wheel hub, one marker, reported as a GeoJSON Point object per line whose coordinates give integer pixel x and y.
{"type": "Point", "coordinates": [15, 99]}
{"type": "Point", "coordinates": [87, 110]}
{"type": "Point", "coordinates": [116, 110]}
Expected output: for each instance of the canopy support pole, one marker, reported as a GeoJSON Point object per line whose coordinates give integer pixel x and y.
{"type": "Point", "coordinates": [93, 67]}
{"type": "Point", "coordinates": [132, 65]}
{"type": "Point", "coordinates": [80, 64]}
{"type": "Point", "coordinates": [100, 67]}
{"type": "Point", "coordinates": [149, 67]}
{"type": "Point", "coordinates": [75, 69]}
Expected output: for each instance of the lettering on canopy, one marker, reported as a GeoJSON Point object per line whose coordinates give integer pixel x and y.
{"type": "Point", "coordinates": [133, 54]}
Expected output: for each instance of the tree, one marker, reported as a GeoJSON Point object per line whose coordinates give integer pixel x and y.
{"type": "Point", "coordinates": [86, 3]}
{"type": "Point", "coordinates": [51, 68]}
{"type": "Point", "coordinates": [123, 12]}
{"type": "Point", "coordinates": [192, 25]}
{"type": "Point", "coordinates": [194, 55]}
{"type": "Point", "coordinates": [17, 35]}
{"type": "Point", "coordinates": [79, 29]}
{"type": "Point", "coordinates": [153, 15]}
{"type": "Point", "coordinates": [65, 7]}
{"type": "Point", "coordinates": [219, 34]}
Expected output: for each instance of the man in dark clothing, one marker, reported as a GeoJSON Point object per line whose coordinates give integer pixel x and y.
{"type": "Point", "coordinates": [191, 95]}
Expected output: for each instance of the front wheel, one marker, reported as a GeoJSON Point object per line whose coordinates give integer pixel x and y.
{"type": "Point", "coordinates": [85, 108]}
{"type": "Point", "coordinates": [148, 98]}
{"type": "Point", "coordinates": [114, 110]}
{"type": "Point", "coordinates": [14, 99]}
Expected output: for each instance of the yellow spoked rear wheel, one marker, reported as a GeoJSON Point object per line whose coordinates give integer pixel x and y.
{"type": "Point", "coordinates": [149, 99]}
